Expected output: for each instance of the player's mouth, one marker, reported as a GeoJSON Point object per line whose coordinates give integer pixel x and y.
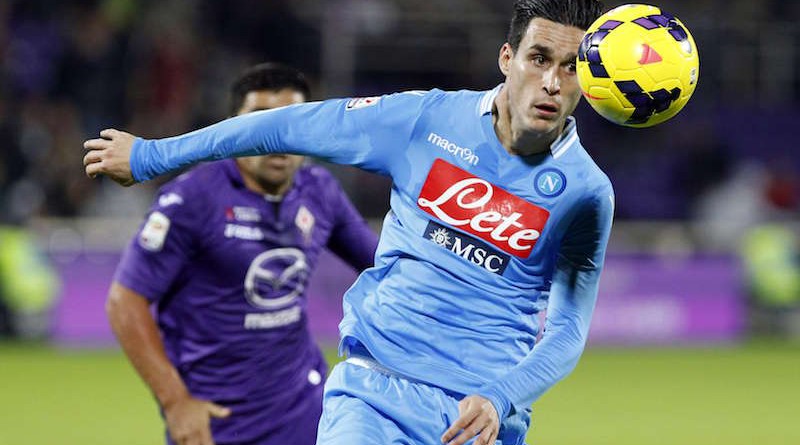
{"type": "Point", "coordinates": [277, 161]}
{"type": "Point", "coordinates": [546, 109]}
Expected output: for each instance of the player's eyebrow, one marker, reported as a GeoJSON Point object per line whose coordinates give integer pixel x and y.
{"type": "Point", "coordinates": [546, 50]}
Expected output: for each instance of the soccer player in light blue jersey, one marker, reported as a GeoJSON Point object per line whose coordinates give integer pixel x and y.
{"type": "Point", "coordinates": [497, 211]}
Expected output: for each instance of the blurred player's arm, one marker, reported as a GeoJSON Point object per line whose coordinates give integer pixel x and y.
{"type": "Point", "coordinates": [146, 273]}
{"type": "Point", "coordinates": [133, 324]}
{"type": "Point", "coordinates": [371, 134]}
{"type": "Point", "coordinates": [351, 239]}
{"type": "Point", "coordinates": [573, 294]}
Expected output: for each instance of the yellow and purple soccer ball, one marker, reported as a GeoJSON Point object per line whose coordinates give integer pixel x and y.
{"type": "Point", "coordinates": [638, 65]}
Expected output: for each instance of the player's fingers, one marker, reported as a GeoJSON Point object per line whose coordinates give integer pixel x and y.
{"type": "Point", "coordinates": [465, 419]}
{"type": "Point", "coordinates": [194, 437]}
{"type": "Point", "coordinates": [220, 412]}
{"type": "Point", "coordinates": [109, 133]}
{"type": "Point", "coordinates": [470, 430]}
{"type": "Point", "coordinates": [92, 156]}
{"type": "Point", "coordinates": [96, 144]}
{"type": "Point", "coordinates": [92, 170]}
{"type": "Point", "coordinates": [464, 437]}
{"type": "Point", "coordinates": [183, 439]}
{"type": "Point", "coordinates": [206, 437]}
{"type": "Point", "coordinates": [482, 426]}
{"type": "Point", "coordinates": [488, 436]}
{"type": "Point", "coordinates": [189, 435]}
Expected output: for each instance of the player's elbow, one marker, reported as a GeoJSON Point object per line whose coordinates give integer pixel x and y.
{"type": "Point", "coordinates": [571, 338]}
{"type": "Point", "coordinates": [571, 360]}
{"type": "Point", "coordinates": [115, 310]}
{"type": "Point", "coordinates": [123, 303]}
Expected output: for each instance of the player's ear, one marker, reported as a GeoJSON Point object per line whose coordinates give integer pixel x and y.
{"type": "Point", "coordinates": [504, 59]}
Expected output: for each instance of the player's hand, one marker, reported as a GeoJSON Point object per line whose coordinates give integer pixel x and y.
{"type": "Point", "coordinates": [477, 417]}
{"type": "Point", "coordinates": [188, 420]}
{"type": "Point", "coordinates": [110, 155]}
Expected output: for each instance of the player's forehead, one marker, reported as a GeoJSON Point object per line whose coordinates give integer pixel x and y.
{"type": "Point", "coordinates": [555, 39]}
{"type": "Point", "coordinates": [267, 99]}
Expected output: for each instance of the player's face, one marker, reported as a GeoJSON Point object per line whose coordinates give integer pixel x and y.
{"type": "Point", "coordinates": [271, 173]}
{"type": "Point", "coordinates": [540, 77]}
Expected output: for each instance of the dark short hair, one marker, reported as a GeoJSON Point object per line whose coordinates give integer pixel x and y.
{"type": "Point", "coordinates": [578, 13]}
{"type": "Point", "coordinates": [267, 76]}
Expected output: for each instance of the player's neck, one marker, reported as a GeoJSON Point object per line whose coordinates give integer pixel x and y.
{"type": "Point", "coordinates": [516, 142]}
{"type": "Point", "coordinates": [264, 188]}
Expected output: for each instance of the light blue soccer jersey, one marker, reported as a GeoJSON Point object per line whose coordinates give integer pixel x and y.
{"type": "Point", "coordinates": [476, 242]}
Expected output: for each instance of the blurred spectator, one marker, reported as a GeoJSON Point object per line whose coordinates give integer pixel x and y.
{"type": "Point", "coordinates": [771, 257]}
{"type": "Point", "coordinates": [71, 68]}
{"type": "Point", "coordinates": [751, 196]}
{"type": "Point", "coordinates": [28, 286]}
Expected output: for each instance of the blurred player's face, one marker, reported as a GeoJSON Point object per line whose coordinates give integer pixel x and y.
{"type": "Point", "coordinates": [541, 82]}
{"type": "Point", "coordinates": [271, 173]}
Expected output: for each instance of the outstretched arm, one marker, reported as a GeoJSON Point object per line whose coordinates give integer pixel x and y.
{"type": "Point", "coordinates": [370, 136]}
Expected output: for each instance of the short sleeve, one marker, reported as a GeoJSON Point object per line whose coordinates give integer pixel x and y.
{"type": "Point", "coordinates": [165, 242]}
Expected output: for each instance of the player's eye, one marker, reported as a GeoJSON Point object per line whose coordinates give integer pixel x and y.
{"type": "Point", "coordinates": [571, 67]}
{"type": "Point", "coordinates": [538, 59]}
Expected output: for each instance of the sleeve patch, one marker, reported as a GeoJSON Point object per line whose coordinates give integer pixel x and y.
{"type": "Point", "coordinates": [362, 102]}
{"type": "Point", "coordinates": [154, 233]}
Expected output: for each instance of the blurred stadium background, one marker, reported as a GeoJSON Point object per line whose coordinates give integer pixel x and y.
{"type": "Point", "coordinates": [696, 338]}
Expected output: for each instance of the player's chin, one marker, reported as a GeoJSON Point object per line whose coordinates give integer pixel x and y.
{"type": "Point", "coordinates": [275, 177]}
{"type": "Point", "coordinates": [544, 124]}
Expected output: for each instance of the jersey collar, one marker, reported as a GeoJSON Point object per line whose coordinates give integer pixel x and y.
{"type": "Point", "coordinates": [487, 101]}
{"type": "Point", "coordinates": [563, 142]}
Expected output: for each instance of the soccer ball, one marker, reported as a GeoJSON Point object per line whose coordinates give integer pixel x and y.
{"type": "Point", "coordinates": [637, 65]}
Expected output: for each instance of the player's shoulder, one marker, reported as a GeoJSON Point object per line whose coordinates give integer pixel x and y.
{"type": "Point", "coordinates": [574, 157]}
{"type": "Point", "coordinates": [208, 175]}
{"type": "Point", "coordinates": [409, 99]}
{"type": "Point", "coordinates": [436, 95]}
{"type": "Point", "coordinates": [465, 96]}
{"type": "Point", "coordinates": [437, 103]}
{"type": "Point", "coordinates": [196, 185]}
{"type": "Point", "coordinates": [597, 182]}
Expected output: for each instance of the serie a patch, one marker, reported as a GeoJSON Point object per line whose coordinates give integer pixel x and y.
{"type": "Point", "coordinates": [154, 232]}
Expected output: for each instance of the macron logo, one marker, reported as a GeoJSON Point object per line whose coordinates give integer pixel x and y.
{"type": "Point", "coordinates": [464, 153]}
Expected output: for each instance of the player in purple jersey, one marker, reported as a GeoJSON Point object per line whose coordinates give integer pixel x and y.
{"type": "Point", "coordinates": [223, 259]}
{"type": "Point", "coordinates": [497, 211]}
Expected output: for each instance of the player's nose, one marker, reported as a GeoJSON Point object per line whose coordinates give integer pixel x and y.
{"type": "Point", "coordinates": [551, 82]}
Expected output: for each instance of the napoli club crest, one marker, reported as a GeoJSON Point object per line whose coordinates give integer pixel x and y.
{"type": "Point", "coordinates": [550, 182]}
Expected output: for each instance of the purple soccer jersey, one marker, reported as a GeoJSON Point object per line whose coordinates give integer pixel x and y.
{"type": "Point", "coordinates": [226, 270]}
